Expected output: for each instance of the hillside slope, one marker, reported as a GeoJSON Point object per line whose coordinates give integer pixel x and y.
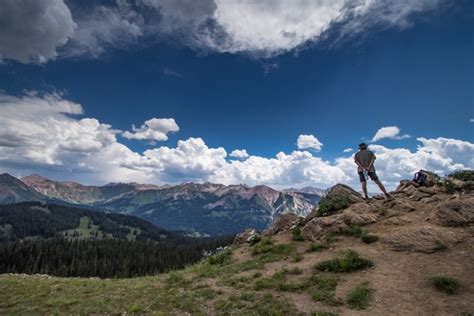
{"type": "Point", "coordinates": [382, 256]}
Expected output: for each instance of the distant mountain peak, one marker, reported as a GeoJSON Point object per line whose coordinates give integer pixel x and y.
{"type": "Point", "coordinates": [34, 178]}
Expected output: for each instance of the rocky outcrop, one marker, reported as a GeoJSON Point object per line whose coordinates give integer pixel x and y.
{"type": "Point", "coordinates": [354, 217]}
{"type": "Point", "coordinates": [425, 239]}
{"type": "Point", "coordinates": [338, 198]}
{"type": "Point", "coordinates": [317, 227]}
{"type": "Point", "coordinates": [458, 212]}
{"type": "Point", "coordinates": [247, 236]}
{"type": "Point", "coordinates": [284, 223]}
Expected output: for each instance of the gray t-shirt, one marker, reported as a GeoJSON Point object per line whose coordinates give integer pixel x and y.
{"type": "Point", "coordinates": [364, 157]}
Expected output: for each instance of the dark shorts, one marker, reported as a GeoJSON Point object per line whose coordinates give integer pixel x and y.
{"type": "Point", "coordinates": [372, 176]}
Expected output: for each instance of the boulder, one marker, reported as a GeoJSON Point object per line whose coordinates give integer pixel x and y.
{"type": "Point", "coordinates": [319, 226]}
{"type": "Point", "coordinates": [284, 223]}
{"type": "Point", "coordinates": [338, 198]}
{"type": "Point", "coordinates": [352, 217]}
{"type": "Point", "coordinates": [458, 212]}
{"type": "Point", "coordinates": [402, 206]}
{"type": "Point", "coordinates": [425, 239]}
{"type": "Point", "coordinates": [247, 236]}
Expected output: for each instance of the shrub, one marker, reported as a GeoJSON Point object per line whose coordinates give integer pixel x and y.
{"type": "Point", "coordinates": [360, 297]}
{"type": "Point", "coordinates": [353, 230]}
{"type": "Point", "coordinates": [463, 175]}
{"type": "Point", "coordinates": [332, 204]}
{"type": "Point", "coordinates": [448, 186]}
{"type": "Point", "coordinates": [350, 261]}
{"type": "Point", "coordinates": [295, 271]}
{"type": "Point", "coordinates": [369, 238]}
{"type": "Point", "coordinates": [254, 239]}
{"type": "Point", "coordinates": [267, 246]}
{"type": "Point", "coordinates": [316, 247]}
{"type": "Point", "coordinates": [445, 283]}
{"type": "Point", "coordinates": [322, 313]}
{"type": "Point", "coordinates": [221, 258]}
{"type": "Point", "coordinates": [296, 257]}
{"type": "Point", "coordinates": [296, 234]}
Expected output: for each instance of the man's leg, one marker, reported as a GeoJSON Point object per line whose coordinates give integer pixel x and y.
{"type": "Point", "coordinates": [382, 188]}
{"type": "Point", "coordinates": [364, 188]}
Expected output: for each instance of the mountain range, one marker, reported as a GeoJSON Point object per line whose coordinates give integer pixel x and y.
{"type": "Point", "coordinates": [198, 208]}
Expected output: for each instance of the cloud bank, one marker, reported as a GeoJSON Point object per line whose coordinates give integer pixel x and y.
{"type": "Point", "coordinates": [48, 134]}
{"type": "Point", "coordinates": [36, 30]}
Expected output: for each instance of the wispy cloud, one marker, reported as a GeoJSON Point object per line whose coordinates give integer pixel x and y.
{"type": "Point", "coordinates": [171, 72]}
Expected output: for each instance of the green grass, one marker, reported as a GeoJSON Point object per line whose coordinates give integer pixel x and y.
{"type": "Point", "coordinates": [86, 230]}
{"type": "Point", "coordinates": [369, 238]}
{"type": "Point", "coordinates": [279, 282]}
{"type": "Point", "coordinates": [52, 295]}
{"type": "Point", "coordinates": [324, 287]}
{"type": "Point", "coordinates": [360, 297]}
{"type": "Point", "coordinates": [251, 303]}
{"type": "Point", "coordinates": [357, 231]}
{"type": "Point", "coordinates": [296, 234]}
{"type": "Point", "coordinates": [267, 248]}
{"type": "Point", "coordinates": [353, 230]}
{"type": "Point", "coordinates": [332, 204]}
{"type": "Point", "coordinates": [221, 258]}
{"type": "Point", "coordinates": [445, 283]}
{"type": "Point", "coordinates": [322, 313]}
{"type": "Point", "coordinates": [317, 247]}
{"type": "Point", "coordinates": [349, 261]}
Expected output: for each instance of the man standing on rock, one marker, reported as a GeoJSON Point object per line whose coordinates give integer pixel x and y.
{"type": "Point", "coordinates": [365, 167]}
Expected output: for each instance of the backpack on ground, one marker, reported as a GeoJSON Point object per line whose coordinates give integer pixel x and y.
{"type": "Point", "coordinates": [425, 178]}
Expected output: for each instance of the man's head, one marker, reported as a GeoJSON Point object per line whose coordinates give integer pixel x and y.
{"type": "Point", "coordinates": [362, 146]}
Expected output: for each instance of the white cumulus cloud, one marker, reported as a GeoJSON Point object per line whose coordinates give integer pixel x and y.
{"type": "Point", "coordinates": [239, 153]}
{"type": "Point", "coordinates": [155, 129]}
{"type": "Point", "coordinates": [48, 134]}
{"type": "Point", "coordinates": [309, 142]}
{"type": "Point", "coordinates": [392, 132]}
{"type": "Point", "coordinates": [348, 150]}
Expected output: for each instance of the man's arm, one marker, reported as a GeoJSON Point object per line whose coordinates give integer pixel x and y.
{"type": "Point", "coordinates": [371, 163]}
{"type": "Point", "coordinates": [358, 164]}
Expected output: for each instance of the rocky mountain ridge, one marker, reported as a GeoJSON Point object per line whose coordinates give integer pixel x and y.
{"type": "Point", "coordinates": [201, 208]}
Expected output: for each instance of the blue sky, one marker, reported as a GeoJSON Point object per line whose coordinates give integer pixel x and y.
{"type": "Point", "coordinates": [340, 84]}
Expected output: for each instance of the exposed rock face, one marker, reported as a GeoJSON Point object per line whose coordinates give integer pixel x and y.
{"type": "Point", "coordinates": [425, 239]}
{"type": "Point", "coordinates": [247, 236]}
{"type": "Point", "coordinates": [283, 224]}
{"type": "Point", "coordinates": [352, 217]}
{"type": "Point", "coordinates": [458, 212]}
{"type": "Point", "coordinates": [319, 226]}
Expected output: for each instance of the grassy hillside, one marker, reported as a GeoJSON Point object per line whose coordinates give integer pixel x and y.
{"type": "Point", "coordinates": [408, 255]}
{"type": "Point", "coordinates": [277, 276]}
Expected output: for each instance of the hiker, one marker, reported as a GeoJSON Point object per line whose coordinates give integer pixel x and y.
{"type": "Point", "coordinates": [365, 167]}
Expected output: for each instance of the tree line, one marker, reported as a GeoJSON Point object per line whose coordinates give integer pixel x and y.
{"type": "Point", "coordinates": [104, 258]}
